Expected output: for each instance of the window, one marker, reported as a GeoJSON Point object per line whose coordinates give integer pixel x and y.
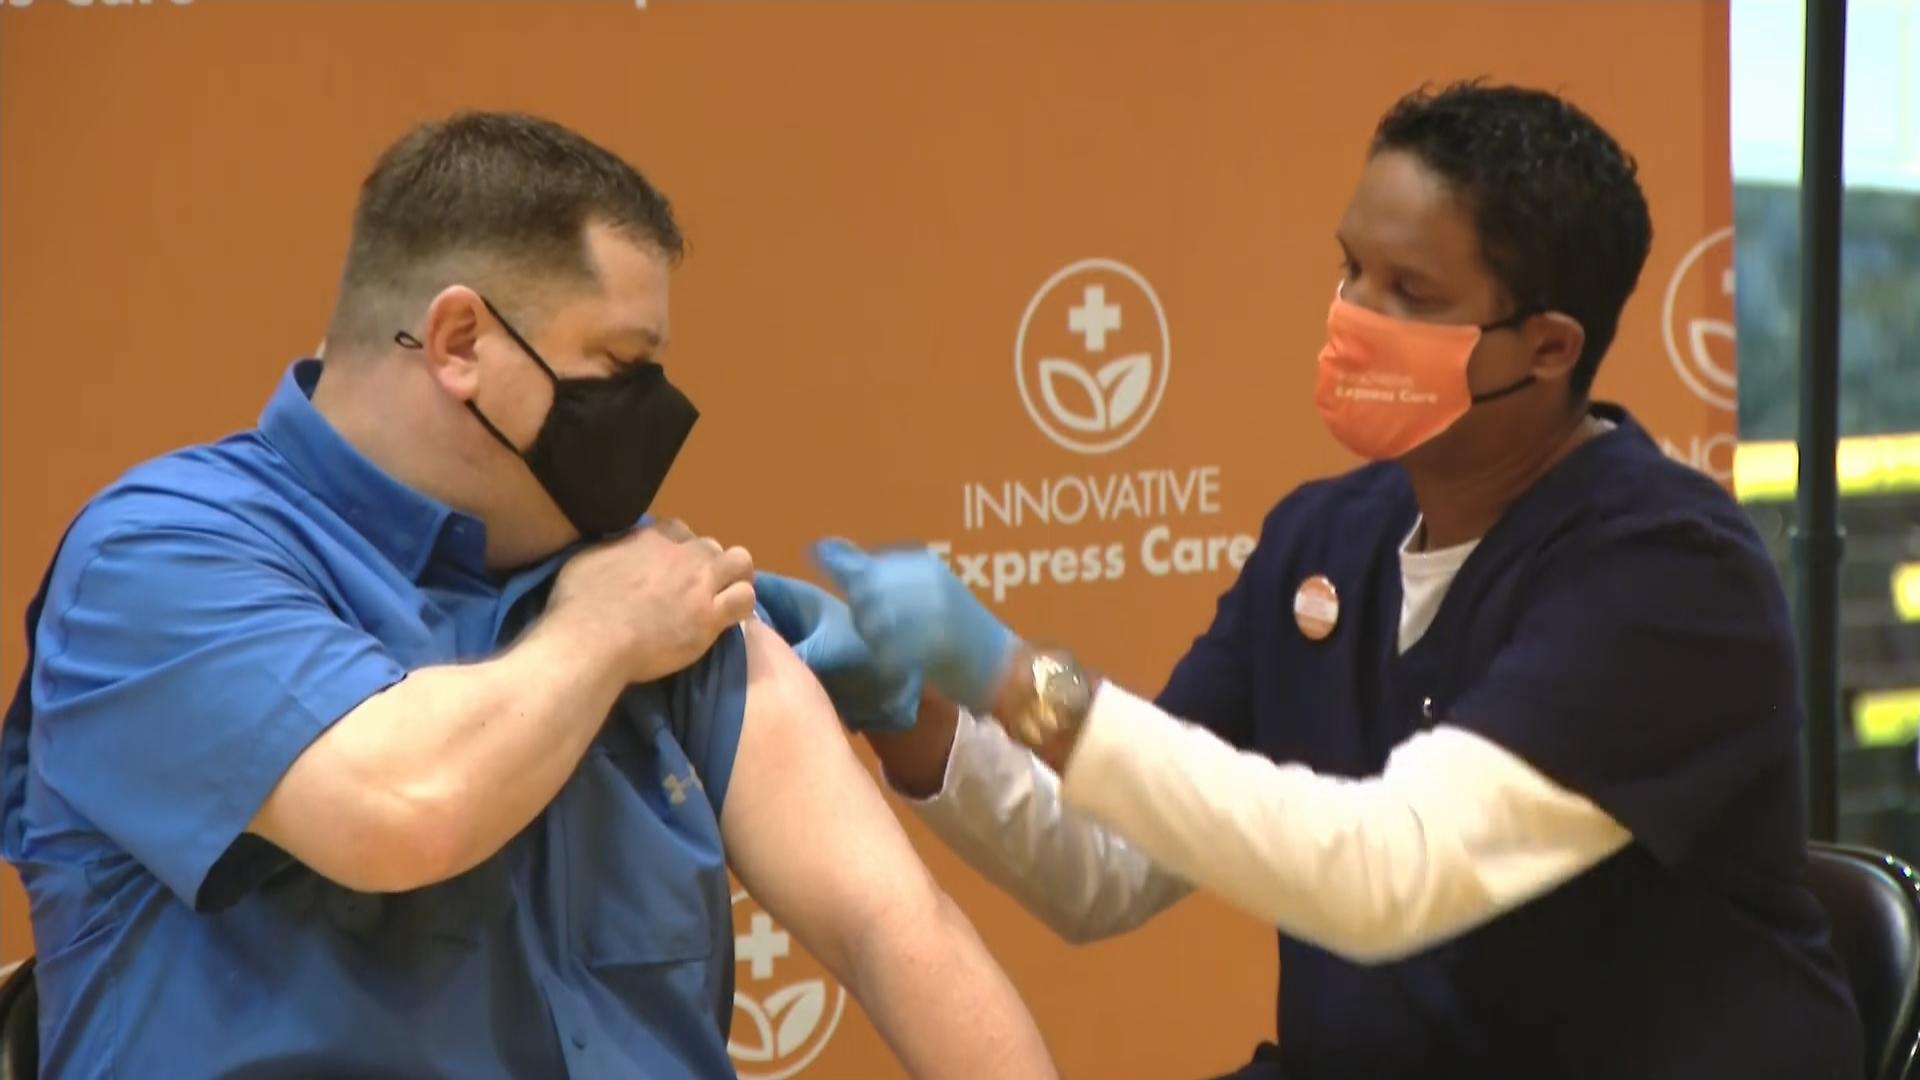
{"type": "Point", "coordinates": [1879, 784]}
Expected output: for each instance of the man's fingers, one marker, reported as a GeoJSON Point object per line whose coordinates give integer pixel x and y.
{"type": "Point", "coordinates": [735, 602]}
{"type": "Point", "coordinates": [673, 529]}
{"type": "Point", "coordinates": [733, 565]}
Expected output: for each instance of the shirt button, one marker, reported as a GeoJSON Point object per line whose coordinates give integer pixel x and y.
{"type": "Point", "coordinates": [1426, 709]}
{"type": "Point", "coordinates": [579, 1040]}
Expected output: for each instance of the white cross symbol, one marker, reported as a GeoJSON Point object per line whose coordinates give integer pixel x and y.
{"type": "Point", "coordinates": [762, 945]}
{"type": "Point", "coordinates": [1094, 319]}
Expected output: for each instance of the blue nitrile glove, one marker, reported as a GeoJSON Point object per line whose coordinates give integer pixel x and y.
{"type": "Point", "coordinates": [916, 616]}
{"type": "Point", "coordinates": [820, 629]}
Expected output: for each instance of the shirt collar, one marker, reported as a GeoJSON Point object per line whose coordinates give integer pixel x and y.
{"type": "Point", "coordinates": [407, 526]}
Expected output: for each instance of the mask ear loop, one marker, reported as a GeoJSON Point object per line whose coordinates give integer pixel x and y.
{"type": "Point", "coordinates": [1511, 388]}
{"type": "Point", "coordinates": [1511, 322]}
{"type": "Point", "coordinates": [408, 341]}
{"type": "Point", "coordinates": [525, 346]}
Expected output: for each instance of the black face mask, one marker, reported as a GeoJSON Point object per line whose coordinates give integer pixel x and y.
{"type": "Point", "coordinates": [606, 444]}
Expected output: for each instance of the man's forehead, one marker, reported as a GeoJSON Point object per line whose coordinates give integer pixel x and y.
{"type": "Point", "coordinates": [617, 252]}
{"type": "Point", "coordinates": [632, 304]}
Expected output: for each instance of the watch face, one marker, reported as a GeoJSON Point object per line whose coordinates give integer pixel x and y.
{"type": "Point", "coordinates": [1064, 691]}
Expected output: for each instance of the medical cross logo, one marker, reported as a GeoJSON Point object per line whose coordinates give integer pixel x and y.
{"type": "Point", "coordinates": [1697, 320]}
{"type": "Point", "coordinates": [1092, 356]}
{"type": "Point", "coordinates": [790, 1005]}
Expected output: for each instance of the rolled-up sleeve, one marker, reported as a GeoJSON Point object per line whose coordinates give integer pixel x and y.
{"type": "Point", "coordinates": [708, 712]}
{"type": "Point", "coordinates": [182, 668]}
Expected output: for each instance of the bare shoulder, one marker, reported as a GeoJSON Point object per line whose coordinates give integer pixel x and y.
{"type": "Point", "coordinates": [781, 692]}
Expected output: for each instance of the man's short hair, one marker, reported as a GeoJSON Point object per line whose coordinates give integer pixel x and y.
{"type": "Point", "coordinates": [498, 200]}
{"type": "Point", "coordinates": [1563, 224]}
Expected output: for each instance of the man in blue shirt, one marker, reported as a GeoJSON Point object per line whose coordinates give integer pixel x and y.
{"type": "Point", "coordinates": [378, 741]}
{"type": "Point", "coordinates": [1501, 731]}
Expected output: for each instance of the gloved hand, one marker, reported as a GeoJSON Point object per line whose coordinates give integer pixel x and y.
{"type": "Point", "coordinates": [916, 616]}
{"type": "Point", "coordinates": [820, 629]}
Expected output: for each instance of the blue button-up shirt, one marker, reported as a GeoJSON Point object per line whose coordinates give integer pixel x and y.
{"type": "Point", "coordinates": [207, 617]}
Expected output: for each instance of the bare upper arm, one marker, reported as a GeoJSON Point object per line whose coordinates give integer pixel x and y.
{"type": "Point", "coordinates": [806, 828]}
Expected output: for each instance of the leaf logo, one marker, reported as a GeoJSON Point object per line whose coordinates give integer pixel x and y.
{"type": "Point", "coordinates": [1115, 392]}
{"type": "Point", "coordinates": [787, 1026]}
{"type": "Point", "coordinates": [1697, 320]}
{"type": "Point", "coordinates": [1705, 356]}
{"type": "Point", "coordinates": [782, 1023]}
{"type": "Point", "coordinates": [1078, 393]}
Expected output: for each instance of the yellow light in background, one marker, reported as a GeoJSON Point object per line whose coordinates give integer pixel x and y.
{"type": "Point", "coordinates": [1865, 465]}
{"type": "Point", "coordinates": [1906, 591]}
{"type": "Point", "coordinates": [1886, 717]}
{"type": "Point", "coordinates": [1765, 470]}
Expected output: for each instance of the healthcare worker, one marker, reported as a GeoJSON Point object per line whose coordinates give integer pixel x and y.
{"type": "Point", "coordinates": [1501, 730]}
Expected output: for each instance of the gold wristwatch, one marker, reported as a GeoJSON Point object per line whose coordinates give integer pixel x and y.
{"type": "Point", "coordinates": [1060, 697]}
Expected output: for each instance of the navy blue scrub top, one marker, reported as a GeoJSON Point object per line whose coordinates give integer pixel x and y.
{"type": "Point", "coordinates": [207, 617]}
{"type": "Point", "coordinates": [1623, 631]}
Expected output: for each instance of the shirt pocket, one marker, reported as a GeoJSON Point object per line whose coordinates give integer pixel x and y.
{"type": "Point", "coordinates": [645, 871]}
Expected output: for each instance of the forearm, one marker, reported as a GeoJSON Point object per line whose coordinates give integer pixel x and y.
{"type": "Point", "coordinates": [915, 760]}
{"type": "Point", "coordinates": [1455, 831]}
{"type": "Point", "coordinates": [936, 996]}
{"type": "Point", "coordinates": [430, 777]}
{"type": "Point", "coordinates": [999, 808]}
{"type": "Point", "coordinates": [492, 745]}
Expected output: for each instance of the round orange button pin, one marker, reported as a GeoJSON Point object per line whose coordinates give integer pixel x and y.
{"type": "Point", "coordinates": [1316, 607]}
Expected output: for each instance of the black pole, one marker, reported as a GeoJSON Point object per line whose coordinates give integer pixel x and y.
{"type": "Point", "coordinates": [1818, 540]}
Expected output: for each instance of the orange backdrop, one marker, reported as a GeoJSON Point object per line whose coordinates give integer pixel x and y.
{"type": "Point", "coordinates": [1042, 281]}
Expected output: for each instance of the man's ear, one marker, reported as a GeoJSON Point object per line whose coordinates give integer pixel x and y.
{"type": "Point", "coordinates": [1556, 341]}
{"type": "Point", "coordinates": [450, 338]}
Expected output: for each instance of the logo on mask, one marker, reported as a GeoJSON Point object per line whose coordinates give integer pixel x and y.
{"type": "Point", "coordinates": [786, 1006]}
{"type": "Point", "coordinates": [1092, 356]}
{"type": "Point", "coordinates": [1697, 320]}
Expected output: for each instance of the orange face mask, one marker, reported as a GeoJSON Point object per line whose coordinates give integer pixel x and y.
{"type": "Point", "coordinates": [1388, 385]}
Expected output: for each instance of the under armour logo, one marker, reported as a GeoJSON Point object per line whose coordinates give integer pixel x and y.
{"type": "Point", "coordinates": [677, 788]}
